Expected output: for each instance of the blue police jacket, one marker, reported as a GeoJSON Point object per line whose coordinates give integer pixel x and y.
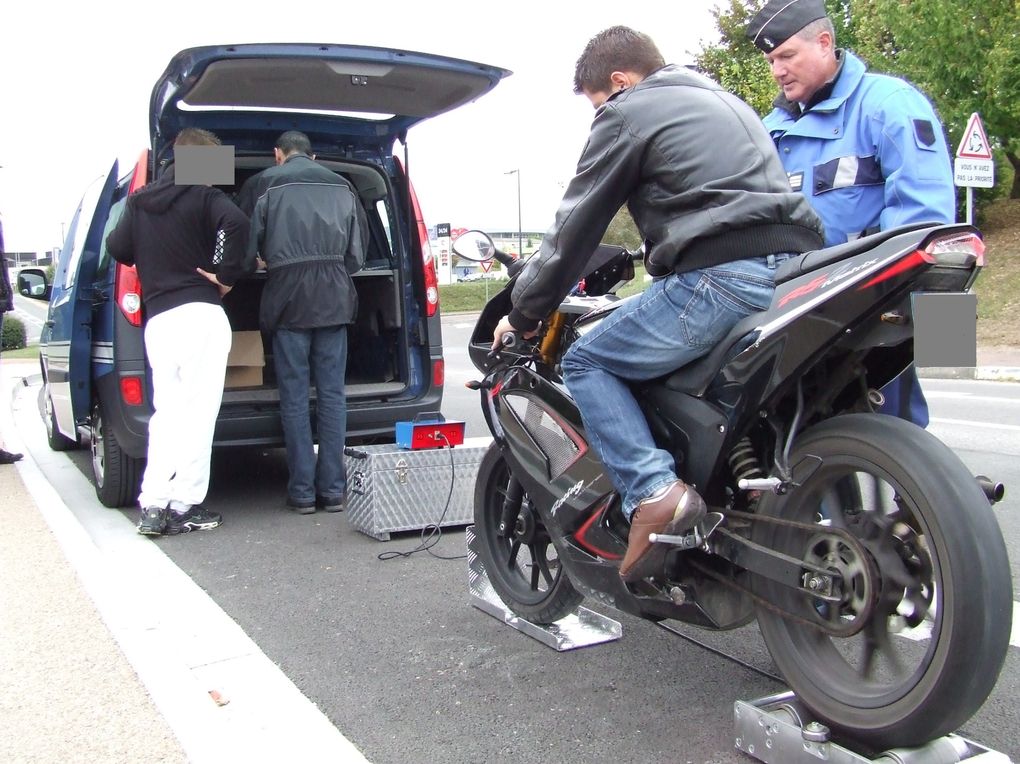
{"type": "Point", "coordinates": [870, 156]}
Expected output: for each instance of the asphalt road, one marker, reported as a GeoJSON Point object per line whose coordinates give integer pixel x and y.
{"type": "Point", "coordinates": [398, 659]}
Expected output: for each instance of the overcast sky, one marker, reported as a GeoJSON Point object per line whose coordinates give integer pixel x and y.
{"type": "Point", "coordinates": [75, 81]}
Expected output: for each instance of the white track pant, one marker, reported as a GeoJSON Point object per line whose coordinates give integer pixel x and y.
{"type": "Point", "coordinates": [187, 348]}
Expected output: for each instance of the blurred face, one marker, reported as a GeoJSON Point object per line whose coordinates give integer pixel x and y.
{"type": "Point", "coordinates": [801, 67]}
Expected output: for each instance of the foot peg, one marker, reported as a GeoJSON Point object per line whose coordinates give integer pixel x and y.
{"type": "Point", "coordinates": [695, 537]}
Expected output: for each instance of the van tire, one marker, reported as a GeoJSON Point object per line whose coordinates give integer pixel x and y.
{"type": "Point", "coordinates": [116, 475]}
{"type": "Point", "coordinates": [57, 440]}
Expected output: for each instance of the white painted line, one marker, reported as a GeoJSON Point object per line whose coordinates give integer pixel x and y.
{"type": "Point", "coordinates": [179, 641]}
{"type": "Point", "coordinates": [969, 423]}
{"type": "Point", "coordinates": [1014, 635]}
{"type": "Point", "coordinates": [945, 395]}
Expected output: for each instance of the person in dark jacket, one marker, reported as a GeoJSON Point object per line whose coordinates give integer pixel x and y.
{"type": "Point", "coordinates": [867, 149]}
{"type": "Point", "coordinates": [169, 231]}
{"type": "Point", "coordinates": [309, 228]}
{"type": "Point", "coordinates": [702, 181]}
{"type": "Point", "coordinates": [6, 306]}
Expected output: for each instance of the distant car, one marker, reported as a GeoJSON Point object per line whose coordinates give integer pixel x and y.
{"type": "Point", "coordinates": [354, 103]}
{"type": "Point", "coordinates": [471, 277]}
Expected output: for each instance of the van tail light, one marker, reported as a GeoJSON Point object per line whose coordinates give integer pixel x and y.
{"type": "Point", "coordinates": [128, 289]}
{"type": "Point", "coordinates": [141, 174]}
{"type": "Point", "coordinates": [131, 391]}
{"type": "Point", "coordinates": [438, 373]}
{"type": "Point", "coordinates": [128, 293]}
{"type": "Point", "coordinates": [429, 265]}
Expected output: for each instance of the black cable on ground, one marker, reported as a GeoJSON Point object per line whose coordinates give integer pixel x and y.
{"type": "Point", "coordinates": [720, 653]}
{"type": "Point", "coordinates": [433, 530]}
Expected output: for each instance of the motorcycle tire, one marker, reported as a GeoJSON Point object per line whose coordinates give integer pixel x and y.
{"type": "Point", "coordinates": [940, 586]}
{"type": "Point", "coordinates": [519, 567]}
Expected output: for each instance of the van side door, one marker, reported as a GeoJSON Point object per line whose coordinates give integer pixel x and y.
{"type": "Point", "coordinates": [66, 341]}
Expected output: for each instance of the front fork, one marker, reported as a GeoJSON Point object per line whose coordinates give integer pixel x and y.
{"type": "Point", "coordinates": [511, 508]}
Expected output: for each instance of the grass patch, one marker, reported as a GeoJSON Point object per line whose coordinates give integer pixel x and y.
{"type": "Point", "coordinates": [469, 296]}
{"type": "Point", "coordinates": [28, 352]}
{"type": "Point", "coordinates": [998, 286]}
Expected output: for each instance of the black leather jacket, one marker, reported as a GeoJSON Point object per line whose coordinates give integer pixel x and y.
{"type": "Point", "coordinates": [699, 174]}
{"type": "Point", "coordinates": [310, 229]}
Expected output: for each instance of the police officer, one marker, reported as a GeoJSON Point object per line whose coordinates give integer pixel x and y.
{"type": "Point", "coordinates": [866, 149]}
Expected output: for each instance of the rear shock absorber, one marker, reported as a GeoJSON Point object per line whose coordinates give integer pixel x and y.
{"type": "Point", "coordinates": [743, 462]}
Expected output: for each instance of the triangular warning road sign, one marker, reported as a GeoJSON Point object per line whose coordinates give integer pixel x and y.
{"type": "Point", "coordinates": [975, 143]}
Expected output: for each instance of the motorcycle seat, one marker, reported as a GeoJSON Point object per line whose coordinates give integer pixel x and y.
{"type": "Point", "coordinates": [819, 258]}
{"type": "Point", "coordinates": [695, 377]}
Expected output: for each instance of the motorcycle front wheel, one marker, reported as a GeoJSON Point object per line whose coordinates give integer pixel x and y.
{"type": "Point", "coordinates": [932, 589]}
{"type": "Point", "coordinates": [521, 562]}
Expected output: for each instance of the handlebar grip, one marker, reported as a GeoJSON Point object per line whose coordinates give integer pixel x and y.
{"type": "Point", "coordinates": [507, 341]}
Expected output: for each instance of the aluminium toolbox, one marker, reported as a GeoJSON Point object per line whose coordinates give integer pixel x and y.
{"type": "Point", "coordinates": [392, 489]}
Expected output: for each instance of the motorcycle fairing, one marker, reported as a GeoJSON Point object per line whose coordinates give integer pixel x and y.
{"type": "Point", "coordinates": [578, 504]}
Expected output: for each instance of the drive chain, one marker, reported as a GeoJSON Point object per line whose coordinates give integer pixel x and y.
{"type": "Point", "coordinates": [851, 628]}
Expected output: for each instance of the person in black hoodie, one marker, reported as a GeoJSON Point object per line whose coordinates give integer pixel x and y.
{"type": "Point", "coordinates": [169, 232]}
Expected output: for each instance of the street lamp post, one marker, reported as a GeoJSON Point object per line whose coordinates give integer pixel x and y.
{"type": "Point", "coordinates": [520, 235]}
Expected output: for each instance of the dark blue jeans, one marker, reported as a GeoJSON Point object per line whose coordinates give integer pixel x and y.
{"type": "Point", "coordinates": [298, 354]}
{"type": "Point", "coordinates": [675, 321]}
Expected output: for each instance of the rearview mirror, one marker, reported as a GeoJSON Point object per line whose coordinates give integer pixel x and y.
{"type": "Point", "coordinates": [477, 246]}
{"type": "Point", "coordinates": [32, 284]}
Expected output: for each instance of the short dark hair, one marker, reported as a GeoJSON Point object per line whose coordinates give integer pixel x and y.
{"type": "Point", "coordinates": [196, 136]}
{"type": "Point", "coordinates": [294, 141]}
{"type": "Point", "coordinates": [615, 49]}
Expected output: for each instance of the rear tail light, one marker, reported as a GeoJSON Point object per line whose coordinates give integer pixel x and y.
{"type": "Point", "coordinates": [131, 391]}
{"type": "Point", "coordinates": [438, 373]}
{"type": "Point", "coordinates": [429, 265]}
{"type": "Point", "coordinates": [128, 293]}
{"type": "Point", "coordinates": [128, 289]}
{"type": "Point", "coordinates": [141, 174]}
{"type": "Point", "coordinates": [959, 249]}
{"type": "Point", "coordinates": [955, 249]}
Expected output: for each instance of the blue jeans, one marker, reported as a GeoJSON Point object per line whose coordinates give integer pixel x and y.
{"type": "Point", "coordinates": [676, 320]}
{"type": "Point", "coordinates": [297, 354]}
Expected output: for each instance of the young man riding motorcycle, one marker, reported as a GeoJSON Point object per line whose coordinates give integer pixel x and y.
{"type": "Point", "coordinates": [702, 180]}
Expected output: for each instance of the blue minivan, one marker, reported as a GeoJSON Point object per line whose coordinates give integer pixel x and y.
{"type": "Point", "coordinates": [354, 103]}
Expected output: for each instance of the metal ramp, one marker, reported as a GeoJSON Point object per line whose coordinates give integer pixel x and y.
{"type": "Point", "coordinates": [778, 730]}
{"type": "Point", "coordinates": [582, 628]}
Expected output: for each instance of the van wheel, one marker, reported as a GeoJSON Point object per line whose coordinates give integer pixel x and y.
{"type": "Point", "coordinates": [117, 475]}
{"type": "Point", "coordinates": [57, 440]}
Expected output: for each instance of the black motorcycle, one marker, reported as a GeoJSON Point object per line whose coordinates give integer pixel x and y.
{"type": "Point", "coordinates": [868, 554]}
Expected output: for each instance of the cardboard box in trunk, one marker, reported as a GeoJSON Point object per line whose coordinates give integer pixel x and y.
{"type": "Point", "coordinates": [245, 361]}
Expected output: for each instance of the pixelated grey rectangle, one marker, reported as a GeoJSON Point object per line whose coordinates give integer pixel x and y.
{"type": "Point", "coordinates": [945, 329]}
{"type": "Point", "coordinates": [204, 165]}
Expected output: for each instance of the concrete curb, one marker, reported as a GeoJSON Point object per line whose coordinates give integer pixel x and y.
{"type": "Point", "coordinates": [179, 642]}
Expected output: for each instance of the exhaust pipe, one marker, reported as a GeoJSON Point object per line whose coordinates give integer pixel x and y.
{"type": "Point", "coordinates": [994, 491]}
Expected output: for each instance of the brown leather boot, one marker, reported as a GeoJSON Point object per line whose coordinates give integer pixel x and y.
{"type": "Point", "coordinates": [675, 509]}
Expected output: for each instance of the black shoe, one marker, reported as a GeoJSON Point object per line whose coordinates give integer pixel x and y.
{"type": "Point", "coordinates": [301, 507]}
{"type": "Point", "coordinates": [153, 521]}
{"type": "Point", "coordinates": [197, 518]}
{"type": "Point", "coordinates": [337, 504]}
{"type": "Point", "coordinates": [6, 457]}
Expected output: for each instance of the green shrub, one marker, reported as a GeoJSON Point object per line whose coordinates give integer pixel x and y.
{"type": "Point", "coordinates": [13, 337]}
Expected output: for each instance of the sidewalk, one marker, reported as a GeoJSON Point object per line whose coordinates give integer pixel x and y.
{"type": "Point", "coordinates": [67, 693]}
{"type": "Point", "coordinates": [109, 652]}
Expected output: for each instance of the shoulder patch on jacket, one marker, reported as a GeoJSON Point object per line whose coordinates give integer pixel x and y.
{"type": "Point", "coordinates": [924, 131]}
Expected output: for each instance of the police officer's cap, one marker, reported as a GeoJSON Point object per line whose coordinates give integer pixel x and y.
{"type": "Point", "coordinates": [779, 20]}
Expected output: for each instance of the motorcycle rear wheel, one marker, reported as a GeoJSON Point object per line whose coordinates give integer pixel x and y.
{"type": "Point", "coordinates": [937, 636]}
{"type": "Point", "coordinates": [522, 566]}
